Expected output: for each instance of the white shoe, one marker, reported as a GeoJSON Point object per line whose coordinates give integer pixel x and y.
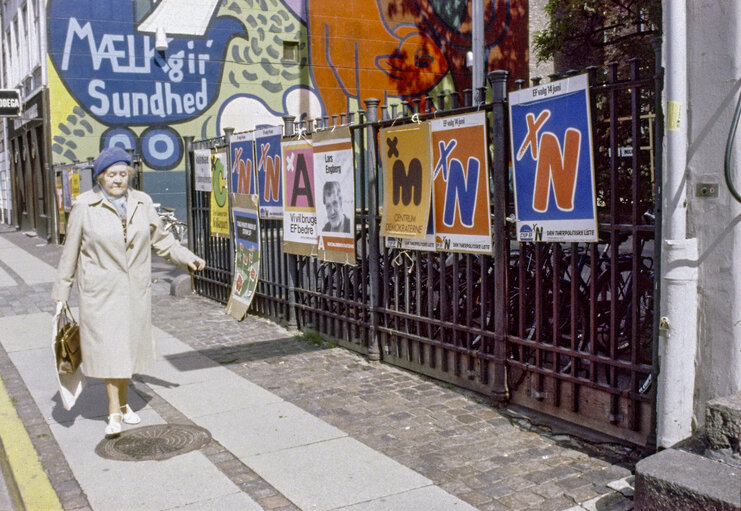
{"type": "Point", "coordinates": [113, 429]}
{"type": "Point", "coordinates": [129, 415]}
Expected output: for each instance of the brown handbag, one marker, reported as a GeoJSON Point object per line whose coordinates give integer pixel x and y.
{"type": "Point", "coordinates": [67, 343]}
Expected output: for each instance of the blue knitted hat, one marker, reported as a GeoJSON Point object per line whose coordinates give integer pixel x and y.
{"type": "Point", "coordinates": [110, 156]}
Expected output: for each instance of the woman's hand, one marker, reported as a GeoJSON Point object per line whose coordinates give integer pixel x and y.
{"type": "Point", "coordinates": [197, 264]}
{"type": "Point", "coordinates": [60, 305]}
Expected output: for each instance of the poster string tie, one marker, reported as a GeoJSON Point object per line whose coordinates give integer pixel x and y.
{"type": "Point", "coordinates": [398, 261]}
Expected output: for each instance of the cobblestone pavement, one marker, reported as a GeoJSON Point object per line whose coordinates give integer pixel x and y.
{"type": "Point", "coordinates": [493, 459]}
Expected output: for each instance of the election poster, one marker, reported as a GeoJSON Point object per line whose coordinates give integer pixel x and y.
{"type": "Point", "coordinates": [75, 186]}
{"type": "Point", "coordinates": [246, 225]}
{"type": "Point", "coordinates": [425, 244]}
{"type": "Point", "coordinates": [299, 208]}
{"type": "Point", "coordinates": [269, 183]}
{"type": "Point", "coordinates": [202, 169]}
{"type": "Point", "coordinates": [67, 198]}
{"type": "Point", "coordinates": [219, 211]}
{"type": "Point", "coordinates": [405, 158]}
{"type": "Point", "coordinates": [551, 135]}
{"type": "Point", "coordinates": [242, 150]}
{"type": "Point", "coordinates": [334, 181]}
{"type": "Point", "coordinates": [59, 176]}
{"type": "Point", "coordinates": [460, 184]}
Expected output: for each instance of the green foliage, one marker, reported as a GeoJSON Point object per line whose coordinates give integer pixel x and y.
{"type": "Point", "coordinates": [602, 29]}
{"type": "Point", "coordinates": [314, 338]}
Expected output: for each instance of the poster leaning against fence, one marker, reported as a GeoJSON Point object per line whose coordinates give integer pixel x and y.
{"type": "Point", "coordinates": [460, 184]}
{"type": "Point", "coordinates": [246, 225]}
{"type": "Point", "coordinates": [334, 180]}
{"type": "Point", "coordinates": [299, 211]}
{"type": "Point", "coordinates": [405, 157]}
{"type": "Point", "coordinates": [269, 182]}
{"type": "Point", "coordinates": [551, 135]}
{"type": "Point", "coordinates": [242, 151]}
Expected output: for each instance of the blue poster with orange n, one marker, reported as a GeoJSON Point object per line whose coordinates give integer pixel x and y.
{"type": "Point", "coordinates": [242, 150]}
{"type": "Point", "coordinates": [554, 185]}
{"type": "Point", "coordinates": [270, 186]}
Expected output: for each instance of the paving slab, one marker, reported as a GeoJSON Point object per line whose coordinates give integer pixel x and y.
{"type": "Point", "coordinates": [235, 501]}
{"type": "Point", "coordinates": [169, 346]}
{"type": "Point", "coordinates": [267, 428]}
{"type": "Point", "coordinates": [228, 392]}
{"type": "Point", "coordinates": [43, 386]}
{"type": "Point", "coordinates": [31, 269]}
{"type": "Point", "coordinates": [333, 474]}
{"type": "Point", "coordinates": [26, 331]}
{"type": "Point", "coordinates": [185, 369]}
{"type": "Point", "coordinates": [142, 485]}
{"type": "Point", "coordinates": [429, 498]}
{"type": "Point", "coordinates": [6, 280]}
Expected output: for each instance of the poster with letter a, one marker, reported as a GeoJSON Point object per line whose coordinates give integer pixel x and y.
{"type": "Point", "coordinates": [219, 211]}
{"type": "Point", "coordinates": [460, 184]}
{"type": "Point", "coordinates": [299, 209]}
{"type": "Point", "coordinates": [334, 182]}
{"type": "Point", "coordinates": [246, 225]}
{"type": "Point", "coordinates": [269, 183]}
{"type": "Point", "coordinates": [551, 134]}
{"type": "Point", "coordinates": [405, 157]}
{"type": "Point", "coordinates": [242, 176]}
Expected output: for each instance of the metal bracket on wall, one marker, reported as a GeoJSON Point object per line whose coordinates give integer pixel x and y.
{"type": "Point", "coordinates": [706, 190]}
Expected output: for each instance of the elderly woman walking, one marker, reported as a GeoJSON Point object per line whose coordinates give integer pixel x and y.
{"type": "Point", "coordinates": [110, 231]}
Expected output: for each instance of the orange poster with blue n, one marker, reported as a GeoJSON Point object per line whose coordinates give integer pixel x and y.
{"type": "Point", "coordinates": [551, 135]}
{"type": "Point", "coordinates": [461, 184]}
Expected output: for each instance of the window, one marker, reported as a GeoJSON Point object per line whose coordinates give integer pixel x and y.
{"type": "Point", "coordinates": [290, 51]}
{"type": "Point", "coordinates": [25, 49]}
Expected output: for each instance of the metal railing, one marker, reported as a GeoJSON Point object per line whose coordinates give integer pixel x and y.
{"type": "Point", "coordinates": [564, 328]}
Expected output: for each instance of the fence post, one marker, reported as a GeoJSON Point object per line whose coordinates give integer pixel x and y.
{"type": "Point", "coordinates": [189, 190]}
{"type": "Point", "coordinates": [228, 132]}
{"type": "Point", "coordinates": [371, 106]}
{"type": "Point", "coordinates": [499, 168]}
{"type": "Point", "coordinates": [291, 266]}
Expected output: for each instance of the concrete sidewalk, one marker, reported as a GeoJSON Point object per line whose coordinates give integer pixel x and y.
{"type": "Point", "coordinates": [294, 424]}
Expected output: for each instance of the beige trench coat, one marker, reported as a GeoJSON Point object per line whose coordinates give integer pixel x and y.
{"type": "Point", "coordinates": [114, 280]}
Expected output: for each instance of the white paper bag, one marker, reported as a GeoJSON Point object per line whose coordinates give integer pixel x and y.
{"type": "Point", "coordinates": [70, 385]}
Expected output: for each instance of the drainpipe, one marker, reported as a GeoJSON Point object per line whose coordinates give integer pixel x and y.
{"type": "Point", "coordinates": [477, 43]}
{"type": "Point", "coordinates": [734, 357]}
{"type": "Point", "coordinates": [678, 307]}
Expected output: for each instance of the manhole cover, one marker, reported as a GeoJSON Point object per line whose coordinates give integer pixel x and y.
{"type": "Point", "coordinates": [158, 442]}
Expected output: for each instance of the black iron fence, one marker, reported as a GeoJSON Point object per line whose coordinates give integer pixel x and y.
{"type": "Point", "coordinates": [564, 328]}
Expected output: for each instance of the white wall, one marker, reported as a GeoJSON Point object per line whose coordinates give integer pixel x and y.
{"type": "Point", "coordinates": [714, 80]}
{"type": "Point", "coordinates": [538, 20]}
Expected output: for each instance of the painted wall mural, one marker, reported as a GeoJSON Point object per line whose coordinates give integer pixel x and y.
{"type": "Point", "coordinates": [247, 63]}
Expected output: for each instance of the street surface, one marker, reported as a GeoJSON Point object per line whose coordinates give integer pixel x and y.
{"type": "Point", "coordinates": [296, 424]}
